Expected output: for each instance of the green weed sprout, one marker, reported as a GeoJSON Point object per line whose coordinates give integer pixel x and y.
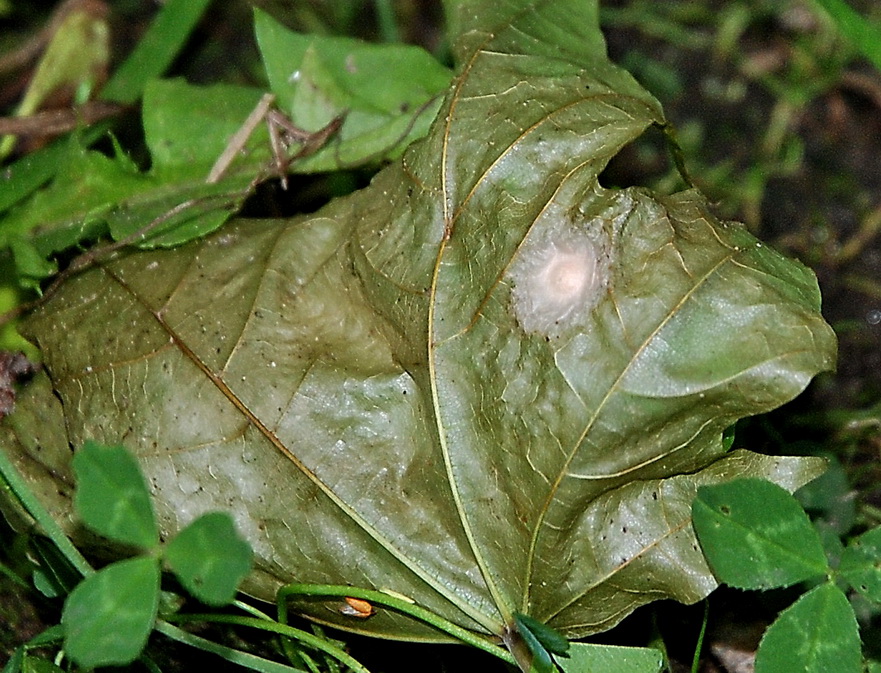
{"type": "Point", "coordinates": [755, 535]}
{"type": "Point", "coordinates": [109, 615]}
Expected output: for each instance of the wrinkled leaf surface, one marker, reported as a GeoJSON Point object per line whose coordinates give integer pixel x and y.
{"type": "Point", "coordinates": [355, 388]}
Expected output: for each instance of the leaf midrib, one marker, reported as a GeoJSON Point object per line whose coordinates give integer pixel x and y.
{"type": "Point", "coordinates": [450, 219]}
{"type": "Point", "coordinates": [408, 562]}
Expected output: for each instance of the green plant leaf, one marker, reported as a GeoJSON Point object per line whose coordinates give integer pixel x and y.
{"type": "Point", "coordinates": [35, 664]}
{"type": "Point", "coordinates": [20, 660]}
{"type": "Point", "coordinates": [816, 634]}
{"type": "Point", "coordinates": [421, 389]}
{"type": "Point", "coordinates": [186, 128]}
{"type": "Point", "coordinates": [109, 615]}
{"type": "Point", "coordinates": [209, 558]}
{"type": "Point", "coordinates": [13, 665]}
{"type": "Point", "coordinates": [111, 496]}
{"type": "Point", "coordinates": [156, 50]}
{"type": "Point", "coordinates": [863, 34]}
{"type": "Point", "coordinates": [388, 93]}
{"type": "Point", "coordinates": [550, 639]}
{"type": "Point", "coordinates": [541, 641]}
{"type": "Point", "coordinates": [861, 564]}
{"type": "Point", "coordinates": [756, 536]}
{"type": "Point", "coordinates": [590, 658]}
{"type": "Point", "coordinates": [188, 125]}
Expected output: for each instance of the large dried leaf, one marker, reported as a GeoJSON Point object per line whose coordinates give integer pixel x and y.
{"type": "Point", "coordinates": [398, 393]}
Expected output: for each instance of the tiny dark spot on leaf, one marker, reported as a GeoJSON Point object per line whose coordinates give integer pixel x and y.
{"type": "Point", "coordinates": [623, 529]}
{"type": "Point", "coordinates": [725, 509]}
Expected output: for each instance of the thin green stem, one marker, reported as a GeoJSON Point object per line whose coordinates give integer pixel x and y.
{"type": "Point", "coordinates": [331, 664]}
{"type": "Point", "coordinates": [251, 610]}
{"type": "Point", "coordinates": [695, 662]}
{"type": "Point", "coordinates": [149, 664]}
{"type": "Point", "coordinates": [388, 24]}
{"type": "Point", "coordinates": [16, 485]}
{"type": "Point", "coordinates": [399, 604]}
{"type": "Point", "coordinates": [235, 656]}
{"type": "Point", "coordinates": [156, 50]}
{"type": "Point", "coordinates": [304, 637]}
{"type": "Point", "coordinates": [292, 654]}
{"type": "Point", "coordinates": [676, 152]}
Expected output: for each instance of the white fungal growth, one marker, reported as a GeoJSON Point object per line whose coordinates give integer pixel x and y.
{"type": "Point", "coordinates": [559, 275]}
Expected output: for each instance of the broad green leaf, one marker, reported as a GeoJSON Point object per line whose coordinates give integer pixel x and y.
{"type": "Point", "coordinates": [157, 49]}
{"type": "Point", "coordinates": [111, 496]}
{"type": "Point", "coordinates": [547, 637]}
{"type": "Point", "coordinates": [109, 615]}
{"type": "Point", "coordinates": [816, 634]}
{"type": "Point", "coordinates": [858, 30]}
{"type": "Point", "coordinates": [484, 382]}
{"type": "Point", "coordinates": [861, 564]}
{"type": "Point", "coordinates": [756, 536]}
{"type": "Point", "coordinates": [590, 658]}
{"type": "Point", "coordinates": [186, 124]}
{"type": "Point", "coordinates": [187, 128]}
{"type": "Point", "coordinates": [541, 641]}
{"type": "Point", "coordinates": [34, 664]}
{"type": "Point", "coordinates": [209, 558]}
{"type": "Point", "coordinates": [388, 93]}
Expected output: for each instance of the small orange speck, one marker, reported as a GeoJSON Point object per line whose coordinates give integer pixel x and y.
{"type": "Point", "coordinates": [355, 607]}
